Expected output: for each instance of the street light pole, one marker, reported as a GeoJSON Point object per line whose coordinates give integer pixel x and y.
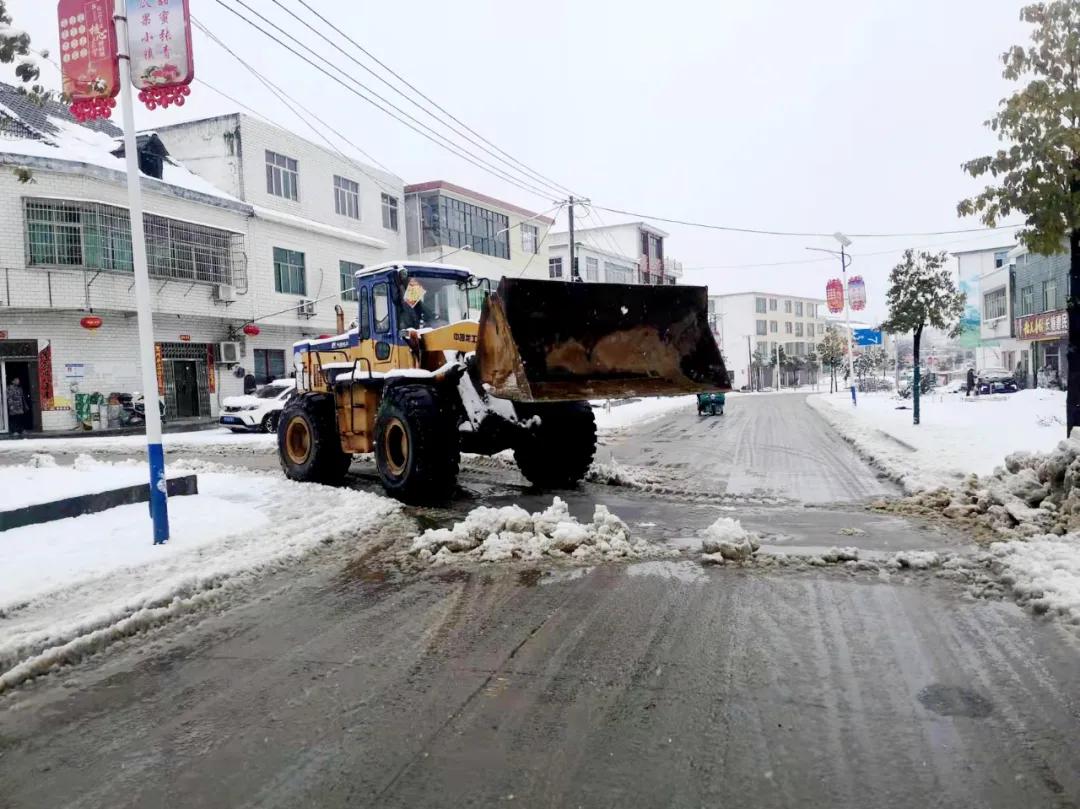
{"type": "Point", "coordinates": [845, 261]}
{"type": "Point", "coordinates": [159, 503]}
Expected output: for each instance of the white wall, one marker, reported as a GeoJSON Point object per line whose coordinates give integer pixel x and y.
{"type": "Point", "coordinates": [584, 252]}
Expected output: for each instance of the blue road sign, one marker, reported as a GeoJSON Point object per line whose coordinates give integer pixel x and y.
{"type": "Point", "coordinates": [867, 337]}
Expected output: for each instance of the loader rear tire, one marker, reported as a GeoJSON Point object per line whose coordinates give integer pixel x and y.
{"type": "Point", "coordinates": [558, 453]}
{"type": "Point", "coordinates": [309, 447]}
{"type": "Point", "coordinates": [417, 449]}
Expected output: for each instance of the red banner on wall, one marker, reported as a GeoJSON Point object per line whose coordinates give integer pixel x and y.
{"type": "Point", "coordinates": [159, 365]}
{"type": "Point", "coordinates": [211, 382]}
{"type": "Point", "coordinates": [45, 377]}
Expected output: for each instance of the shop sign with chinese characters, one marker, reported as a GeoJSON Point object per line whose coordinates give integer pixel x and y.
{"type": "Point", "coordinates": [159, 42]}
{"type": "Point", "coordinates": [1044, 326]}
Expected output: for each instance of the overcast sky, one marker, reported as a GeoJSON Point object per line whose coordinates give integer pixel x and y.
{"type": "Point", "coordinates": [773, 114]}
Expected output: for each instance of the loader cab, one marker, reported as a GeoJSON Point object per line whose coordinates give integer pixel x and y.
{"type": "Point", "coordinates": [396, 297]}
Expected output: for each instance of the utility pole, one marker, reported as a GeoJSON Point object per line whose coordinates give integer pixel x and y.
{"type": "Point", "coordinates": [159, 504]}
{"type": "Point", "coordinates": [778, 385]}
{"type": "Point", "coordinates": [750, 367]}
{"type": "Point", "coordinates": [844, 242]}
{"type": "Point", "coordinates": [573, 252]}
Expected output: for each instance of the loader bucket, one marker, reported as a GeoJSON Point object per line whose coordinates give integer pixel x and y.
{"type": "Point", "coordinates": [552, 340]}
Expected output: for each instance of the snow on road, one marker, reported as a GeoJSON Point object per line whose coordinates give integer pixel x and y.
{"type": "Point", "coordinates": [958, 435]}
{"type": "Point", "coordinates": [70, 586]}
{"type": "Point", "coordinates": [615, 414]}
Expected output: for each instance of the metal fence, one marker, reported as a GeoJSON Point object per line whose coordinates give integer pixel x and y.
{"type": "Point", "coordinates": [95, 236]}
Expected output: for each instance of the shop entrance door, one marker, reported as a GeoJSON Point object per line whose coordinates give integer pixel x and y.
{"type": "Point", "coordinates": [187, 388]}
{"type": "Point", "coordinates": [9, 371]}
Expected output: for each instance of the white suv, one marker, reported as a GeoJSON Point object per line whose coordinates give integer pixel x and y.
{"type": "Point", "coordinates": [259, 410]}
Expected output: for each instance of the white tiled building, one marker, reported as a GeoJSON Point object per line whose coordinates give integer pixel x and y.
{"type": "Point", "coordinates": [246, 222]}
{"type": "Point", "coordinates": [630, 253]}
{"type": "Point", "coordinates": [756, 322]}
{"type": "Point", "coordinates": [491, 238]}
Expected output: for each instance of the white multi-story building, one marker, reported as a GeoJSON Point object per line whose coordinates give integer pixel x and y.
{"type": "Point", "coordinates": [262, 226]}
{"type": "Point", "coordinates": [630, 253]}
{"type": "Point", "coordinates": [491, 238]}
{"type": "Point", "coordinates": [757, 322]}
{"type": "Point", "coordinates": [985, 277]}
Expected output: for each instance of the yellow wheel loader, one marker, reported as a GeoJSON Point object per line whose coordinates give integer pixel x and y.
{"type": "Point", "coordinates": [416, 381]}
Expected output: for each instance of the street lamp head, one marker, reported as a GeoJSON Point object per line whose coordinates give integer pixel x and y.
{"type": "Point", "coordinates": [844, 240]}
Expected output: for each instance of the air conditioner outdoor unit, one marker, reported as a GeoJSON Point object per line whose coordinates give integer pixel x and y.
{"type": "Point", "coordinates": [224, 293]}
{"type": "Point", "coordinates": [306, 308]}
{"type": "Point", "coordinates": [229, 353]}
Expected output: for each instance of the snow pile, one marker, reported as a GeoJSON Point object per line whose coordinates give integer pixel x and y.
{"type": "Point", "coordinates": [499, 534]}
{"type": "Point", "coordinates": [70, 587]}
{"type": "Point", "coordinates": [958, 435]}
{"type": "Point", "coordinates": [613, 473]}
{"type": "Point", "coordinates": [1043, 573]}
{"type": "Point", "coordinates": [727, 541]}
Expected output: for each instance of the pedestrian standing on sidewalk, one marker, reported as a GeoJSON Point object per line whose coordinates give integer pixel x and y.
{"type": "Point", "coordinates": [18, 406]}
{"type": "Point", "coordinates": [970, 381]}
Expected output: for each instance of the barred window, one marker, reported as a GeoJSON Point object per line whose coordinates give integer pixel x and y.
{"type": "Point", "coordinates": [93, 236]}
{"type": "Point", "coordinates": [290, 277]}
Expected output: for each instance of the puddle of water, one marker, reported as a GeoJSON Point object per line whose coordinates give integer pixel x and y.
{"type": "Point", "coordinates": [681, 571]}
{"type": "Point", "coordinates": [570, 574]}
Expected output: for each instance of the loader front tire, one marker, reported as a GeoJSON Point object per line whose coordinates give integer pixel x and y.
{"type": "Point", "coordinates": [417, 449]}
{"type": "Point", "coordinates": [308, 443]}
{"type": "Point", "coordinates": [558, 453]}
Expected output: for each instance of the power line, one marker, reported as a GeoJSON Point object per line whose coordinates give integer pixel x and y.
{"type": "Point", "coordinates": [732, 229]}
{"type": "Point", "coordinates": [285, 98]}
{"type": "Point", "coordinates": [438, 140]}
{"type": "Point", "coordinates": [430, 100]}
{"type": "Point", "coordinates": [512, 164]}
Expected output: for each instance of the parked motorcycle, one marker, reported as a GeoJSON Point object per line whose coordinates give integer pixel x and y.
{"type": "Point", "coordinates": [133, 409]}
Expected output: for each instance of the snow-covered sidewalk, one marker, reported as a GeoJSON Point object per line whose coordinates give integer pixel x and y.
{"type": "Point", "coordinates": [218, 441]}
{"type": "Point", "coordinates": [958, 435]}
{"type": "Point", "coordinates": [71, 586]}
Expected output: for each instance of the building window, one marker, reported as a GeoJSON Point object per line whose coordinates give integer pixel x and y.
{"type": "Point", "coordinates": [289, 275]}
{"type": "Point", "coordinates": [773, 326]}
{"type": "Point", "coordinates": [530, 241]}
{"type": "Point", "coordinates": [759, 305]}
{"type": "Point", "coordinates": [787, 307]}
{"type": "Point", "coordinates": [389, 212]}
{"type": "Point", "coordinates": [94, 236]}
{"type": "Point", "coordinates": [592, 269]}
{"type": "Point", "coordinates": [448, 221]}
{"type": "Point", "coordinates": [994, 305]}
{"type": "Point", "coordinates": [787, 327]}
{"type": "Point", "coordinates": [269, 365]}
{"type": "Point", "coordinates": [763, 349]}
{"type": "Point", "coordinates": [282, 179]}
{"type": "Point", "coordinates": [809, 329]}
{"type": "Point", "coordinates": [1049, 290]}
{"type": "Point", "coordinates": [762, 327]}
{"type": "Point", "coordinates": [772, 304]}
{"type": "Point", "coordinates": [346, 197]}
{"type": "Point", "coordinates": [554, 268]}
{"type": "Point", "coordinates": [1027, 300]}
{"type": "Point", "coordinates": [347, 271]}
{"type": "Point", "coordinates": [798, 329]}
{"type": "Point", "coordinates": [618, 273]}
{"type": "Point", "coordinates": [1000, 257]}
{"type": "Point", "coordinates": [798, 308]}
{"type": "Point", "coordinates": [811, 310]}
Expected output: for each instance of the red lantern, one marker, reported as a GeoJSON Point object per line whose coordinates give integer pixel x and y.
{"type": "Point", "coordinates": [856, 290]}
{"type": "Point", "coordinates": [159, 45]}
{"type": "Point", "coordinates": [88, 64]}
{"type": "Point", "coordinates": [91, 322]}
{"type": "Point", "coordinates": [251, 330]}
{"type": "Point", "coordinates": [834, 295]}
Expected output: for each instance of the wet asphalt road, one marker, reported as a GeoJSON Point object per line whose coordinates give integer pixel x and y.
{"type": "Point", "coordinates": [657, 684]}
